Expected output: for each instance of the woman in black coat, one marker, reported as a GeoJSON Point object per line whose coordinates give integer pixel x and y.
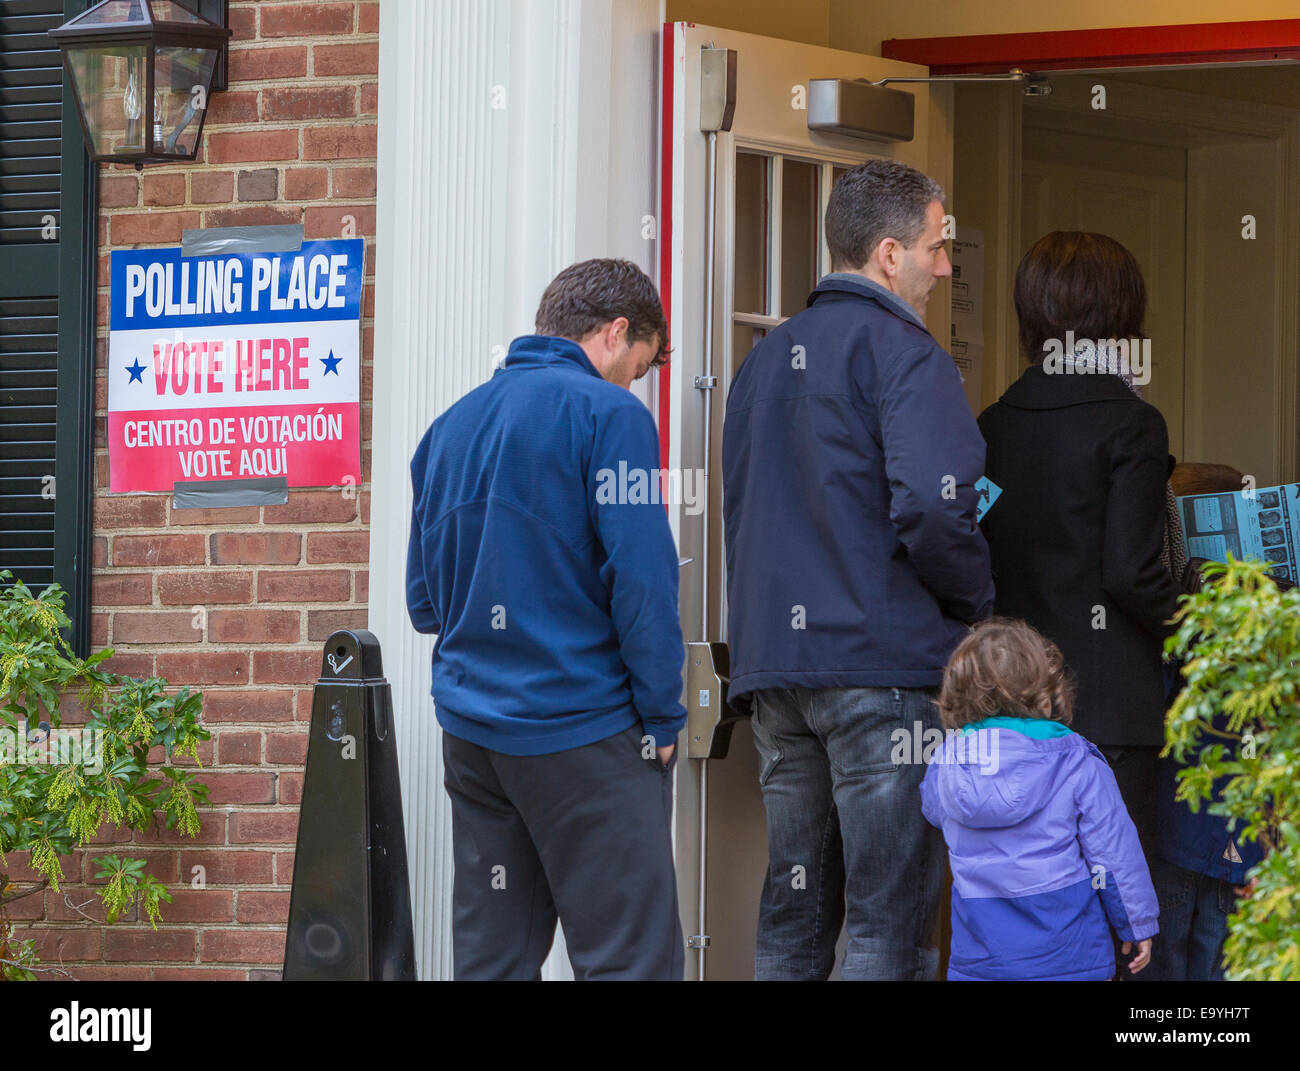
{"type": "Point", "coordinates": [1078, 536]}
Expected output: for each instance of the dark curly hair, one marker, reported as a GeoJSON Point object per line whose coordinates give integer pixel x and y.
{"type": "Point", "coordinates": [1005, 666]}
{"type": "Point", "coordinates": [587, 295]}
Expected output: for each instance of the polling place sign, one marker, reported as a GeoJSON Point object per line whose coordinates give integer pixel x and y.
{"type": "Point", "coordinates": [235, 366]}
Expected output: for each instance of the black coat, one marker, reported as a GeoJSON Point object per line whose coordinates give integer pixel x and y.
{"type": "Point", "coordinates": [1076, 537]}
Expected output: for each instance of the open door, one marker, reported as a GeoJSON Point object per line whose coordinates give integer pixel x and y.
{"type": "Point", "coordinates": [742, 213]}
{"type": "Point", "coordinates": [1176, 140]}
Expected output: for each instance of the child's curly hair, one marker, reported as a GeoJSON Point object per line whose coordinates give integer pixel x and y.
{"type": "Point", "coordinates": [1005, 666]}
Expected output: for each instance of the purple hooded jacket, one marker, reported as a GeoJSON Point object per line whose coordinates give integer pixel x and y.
{"type": "Point", "coordinates": [1043, 853]}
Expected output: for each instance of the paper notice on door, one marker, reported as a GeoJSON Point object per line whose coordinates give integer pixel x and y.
{"type": "Point", "coordinates": [1263, 524]}
{"type": "Point", "coordinates": [967, 346]}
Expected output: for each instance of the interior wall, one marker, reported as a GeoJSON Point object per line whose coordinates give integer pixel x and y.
{"type": "Point", "coordinates": [986, 196]}
{"type": "Point", "coordinates": [808, 21]}
{"type": "Point", "coordinates": [1279, 85]}
{"type": "Point", "coordinates": [1239, 388]}
{"type": "Point", "coordinates": [1232, 378]}
{"type": "Point", "coordinates": [1089, 177]}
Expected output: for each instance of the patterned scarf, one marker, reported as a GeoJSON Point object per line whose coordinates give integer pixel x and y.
{"type": "Point", "coordinates": [1173, 551]}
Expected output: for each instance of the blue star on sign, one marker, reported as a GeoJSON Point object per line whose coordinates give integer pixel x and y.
{"type": "Point", "coordinates": [331, 363]}
{"type": "Point", "coordinates": [137, 371]}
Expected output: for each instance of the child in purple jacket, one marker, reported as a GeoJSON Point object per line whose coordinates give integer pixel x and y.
{"type": "Point", "coordinates": [1043, 853]}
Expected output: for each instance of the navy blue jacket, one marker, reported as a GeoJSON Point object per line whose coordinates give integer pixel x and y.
{"type": "Point", "coordinates": [849, 459]}
{"type": "Point", "coordinates": [540, 554]}
{"type": "Point", "coordinates": [1200, 841]}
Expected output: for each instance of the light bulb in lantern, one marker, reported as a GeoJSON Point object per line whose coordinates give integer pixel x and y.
{"type": "Point", "coordinates": [131, 99]}
{"type": "Point", "coordinates": [159, 116]}
{"type": "Point", "coordinates": [131, 108]}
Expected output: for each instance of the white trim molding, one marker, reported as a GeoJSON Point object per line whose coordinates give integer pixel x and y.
{"type": "Point", "coordinates": [515, 137]}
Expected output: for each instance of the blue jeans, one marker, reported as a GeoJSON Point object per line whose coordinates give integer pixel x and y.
{"type": "Point", "coordinates": [1194, 910]}
{"type": "Point", "coordinates": [845, 834]}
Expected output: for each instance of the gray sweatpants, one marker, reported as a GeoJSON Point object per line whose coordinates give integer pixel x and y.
{"type": "Point", "coordinates": [584, 833]}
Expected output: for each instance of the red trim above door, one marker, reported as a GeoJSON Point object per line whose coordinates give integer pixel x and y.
{"type": "Point", "coordinates": [1123, 46]}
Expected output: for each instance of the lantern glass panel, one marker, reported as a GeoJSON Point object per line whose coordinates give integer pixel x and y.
{"type": "Point", "coordinates": [115, 13]}
{"type": "Point", "coordinates": [182, 78]}
{"type": "Point", "coordinates": [169, 11]}
{"type": "Point", "coordinates": [111, 85]}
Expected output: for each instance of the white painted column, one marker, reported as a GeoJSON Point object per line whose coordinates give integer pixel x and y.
{"type": "Point", "coordinates": [515, 137]}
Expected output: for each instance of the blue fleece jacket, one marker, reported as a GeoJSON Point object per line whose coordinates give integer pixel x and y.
{"type": "Point", "coordinates": [540, 554]}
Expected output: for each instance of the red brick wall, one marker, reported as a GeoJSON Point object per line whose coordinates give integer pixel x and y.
{"type": "Point", "coordinates": [292, 140]}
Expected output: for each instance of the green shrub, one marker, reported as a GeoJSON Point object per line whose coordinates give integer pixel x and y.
{"type": "Point", "coordinates": [1237, 722]}
{"type": "Point", "coordinates": [49, 806]}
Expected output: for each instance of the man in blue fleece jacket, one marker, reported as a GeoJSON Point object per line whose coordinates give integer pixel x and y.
{"type": "Point", "coordinates": [541, 556]}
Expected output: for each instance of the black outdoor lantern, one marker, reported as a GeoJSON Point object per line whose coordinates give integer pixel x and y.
{"type": "Point", "coordinates": [141, 71]}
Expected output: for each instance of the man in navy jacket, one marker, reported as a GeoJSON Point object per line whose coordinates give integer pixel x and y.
{"type": "Point", "coordinates": [540, 554]}
{"type": "Point", "coordinates": [854, 567]}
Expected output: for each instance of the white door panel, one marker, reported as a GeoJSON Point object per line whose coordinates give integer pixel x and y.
{"type": "Point", "coordinates": [773, 179]}
{"type": "Point", "coordinates": [1137, 195]}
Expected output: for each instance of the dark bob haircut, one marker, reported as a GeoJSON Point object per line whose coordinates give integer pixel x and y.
{"type": "Point", "coordinates": [1081, 282]}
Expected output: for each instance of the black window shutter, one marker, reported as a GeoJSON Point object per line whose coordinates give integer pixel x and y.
{"type": "Point", "coordinates": [47, 310]}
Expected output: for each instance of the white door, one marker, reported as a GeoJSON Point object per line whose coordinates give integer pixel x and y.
{"type": "Point", "coordinates": [773, 178]}
{"type": "Point", "coordinates": [1196, 185]}
{"type": "Point", "coordinates": [1136, 194]}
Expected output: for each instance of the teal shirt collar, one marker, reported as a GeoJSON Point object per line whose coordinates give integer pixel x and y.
{"type": "Point", "coordinates": [1034, 728]}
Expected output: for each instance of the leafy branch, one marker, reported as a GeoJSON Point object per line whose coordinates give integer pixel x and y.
{"type": "Point", "coordinates": [58, 788]}
{"type": "Point", "coordinates": [1236, 722]}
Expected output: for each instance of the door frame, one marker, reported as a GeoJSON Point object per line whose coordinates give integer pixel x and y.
{"type": "Point", "coordinates": [1175, 45]}
{"type": "Point", "coordinates": [1162, 117]}
{"type": "Point", "coordinates": [1129, 49]}
{"type": "Point", "coordinates": [683, 255]}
